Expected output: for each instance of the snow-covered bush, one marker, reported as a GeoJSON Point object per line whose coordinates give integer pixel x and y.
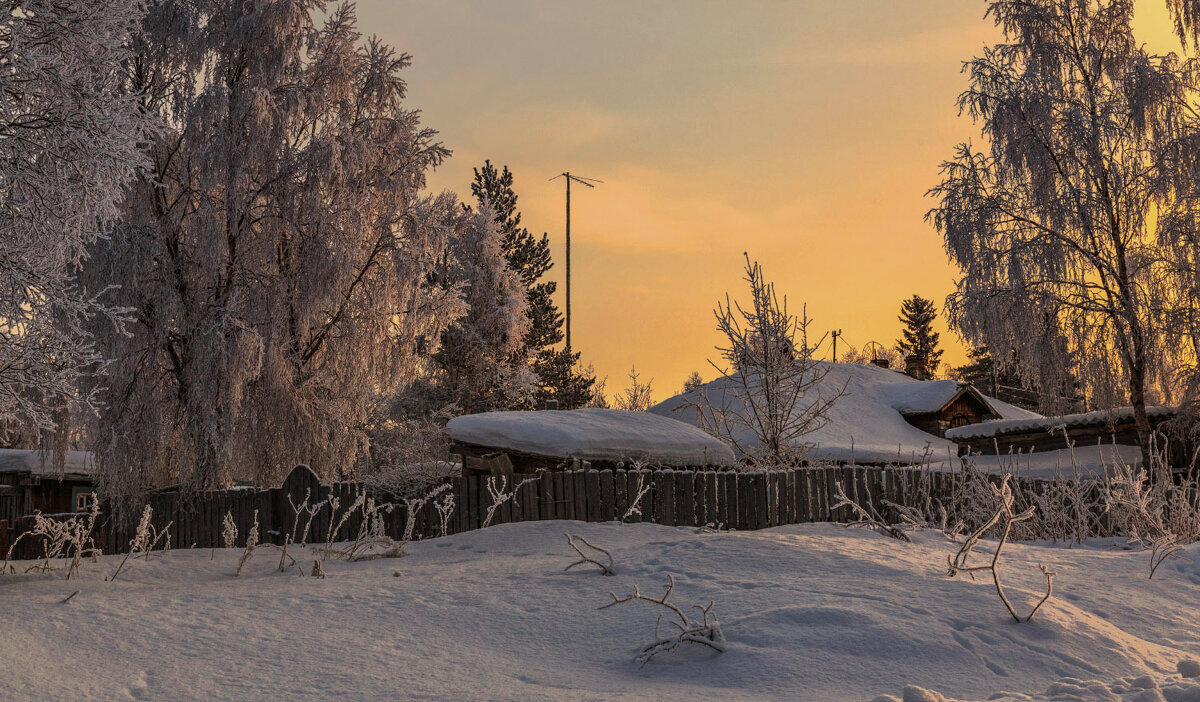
{"type": "Point", "coordinates": [67, 538]}
{"type": "Point", "coordinates": [145, 538]}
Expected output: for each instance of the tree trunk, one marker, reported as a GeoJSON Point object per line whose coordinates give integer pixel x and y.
{"type": "Point", "coordinates": [1137, 398]}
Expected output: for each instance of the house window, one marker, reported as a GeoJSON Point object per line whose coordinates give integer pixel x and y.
{"type": "Point", "coordinates": [83, 497]}
{"type": "Point", "coordinates": [960, 420]}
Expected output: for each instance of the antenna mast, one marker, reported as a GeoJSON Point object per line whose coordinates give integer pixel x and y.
{"type": "Point", "coordinates": [589, 183]}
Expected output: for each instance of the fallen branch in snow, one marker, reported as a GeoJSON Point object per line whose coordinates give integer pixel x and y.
{"type": "Point", "coordinates": [867, 517]}
{"type": "Point", "coordinates": [958, 564]}
{"type": "Point", "coordinates": [585, 559]}
{"type": "Point", "coordinates": [706, 632]}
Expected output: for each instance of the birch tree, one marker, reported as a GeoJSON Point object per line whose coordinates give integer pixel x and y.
{"type": "Point", "coordinates": [1056, 224]}
{"type": "Point", "coordinates": [276, 256]}
{"type": "Point", "coordinates": [70, 141]}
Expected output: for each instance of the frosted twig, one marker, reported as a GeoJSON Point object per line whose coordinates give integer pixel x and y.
{"type": "Point", "coordinates": [867, 517]}
{"type": "Point", "coordinates": [584, 559]}
{"type": "Point", "coordinates": [706, 632]}
{"type": "Point", "coordinates": [958, 564]}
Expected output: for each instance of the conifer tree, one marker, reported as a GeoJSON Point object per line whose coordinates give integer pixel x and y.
{"type": "Point", "coordinates": [557, 370]}
{"type": "Point", "coordinates": [917, 315]}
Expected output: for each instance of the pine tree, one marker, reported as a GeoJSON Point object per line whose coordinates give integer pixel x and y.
{"type": "Point", "coordinates": [557, 370]}
{"type": "Point", "coordinates": [917, 315]}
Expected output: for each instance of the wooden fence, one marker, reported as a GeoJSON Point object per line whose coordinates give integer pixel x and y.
{"type": "Point", "coordinates": [670, 497]}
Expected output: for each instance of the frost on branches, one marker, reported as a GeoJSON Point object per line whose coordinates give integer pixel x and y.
{"type": "Point", "coordinates": [70, 143]}
{"type": "Point", "coordinates": [1075, 227]}
{"type": "Point", "coordinates": [774, 392]}
{"type": "Point", "coordinates": [277, 254]}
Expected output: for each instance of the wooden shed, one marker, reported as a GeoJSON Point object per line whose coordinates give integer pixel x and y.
{"type": "Point", "coordinates": [31, 482]}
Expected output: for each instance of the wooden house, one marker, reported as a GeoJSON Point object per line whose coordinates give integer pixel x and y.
{"type": "Point", "coordinates": [936, 406]}
{"type": "Point", "coordinates": [1108, 427]}
{"type": "Point", "coordinates": [31, 482]}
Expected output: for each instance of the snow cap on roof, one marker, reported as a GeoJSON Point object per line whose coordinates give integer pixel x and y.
{"type": "Point", "coordinates": [593, 435]}
{"type": "Point", "coordinates": [1022, 425]}
{"type": "Point", "coordinates": [42, 465]}
{"type": "Point", "coordinates": [867, 423]}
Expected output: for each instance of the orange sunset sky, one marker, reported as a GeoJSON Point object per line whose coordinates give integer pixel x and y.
{"type": "Point", "coordinates": [803, 132]}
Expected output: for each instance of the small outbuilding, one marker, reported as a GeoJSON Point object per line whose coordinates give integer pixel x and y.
{"type": "Point", "coordinates": [1114, 428]}
{"type": "Point", "coordinates": [30, 481]}
{"type": "Point", "coordinates": [524, 442]}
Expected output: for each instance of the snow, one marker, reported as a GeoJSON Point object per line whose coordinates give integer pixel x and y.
{"type": "Point", "coordinates": [866, 424]}
{"type": "Point", "coordinates": [593, 434]}
{"type": "Point", "coordinates": [811, 612]}
{"type": "Point", "coordinates": [1089, 461]}
{"type": "Point", "coordinates": [32, 461]}
{"type": "Point", "coordinates": [1013, 425]}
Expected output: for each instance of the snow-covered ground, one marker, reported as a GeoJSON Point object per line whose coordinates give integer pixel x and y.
{"type": "Point", "coordinates": [811, 612]}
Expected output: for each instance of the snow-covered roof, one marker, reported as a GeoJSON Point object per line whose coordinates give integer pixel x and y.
{"type": "Point", "coordinates": [42, 465]}
{"type": "Point", "coordinates": [1021, 425]}
{"type": "Point", "coordinates": [1089, 461]}
{"type": "Point", "coordinates": [928, 396]}
{"type": "Point", "coordinates": [866, 424]}
{"type": "Point", "coordinates": [593, 435]}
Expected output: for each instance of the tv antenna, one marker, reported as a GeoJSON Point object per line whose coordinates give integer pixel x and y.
{"type": "Point", "coordinates": [566, 175]}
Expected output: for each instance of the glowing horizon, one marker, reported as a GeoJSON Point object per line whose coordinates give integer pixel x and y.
{"type": "Point", "coordinates": [805, 134]}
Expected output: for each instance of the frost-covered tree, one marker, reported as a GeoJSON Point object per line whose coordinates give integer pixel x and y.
{"type": "Point", "coordinates": [560, 377]}
{"type": "Point", "coordinates": [638, 397]}
{"type": "Point", "coordinates": [1063, 224]}
{"type": "Point", "coordinates": [70, 141]}
{"type": "Point", "coordinates": [918, 337]}
{"type": "Point", "coordinates": [276, 257]}
{"type": "Point", "coordinates": [480, 356]}
{"type": "Point", "coordinates": [692, 382]}
{"type": "Point", "coordinates": [771, 387]}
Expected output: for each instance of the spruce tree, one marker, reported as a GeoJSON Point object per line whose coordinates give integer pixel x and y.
{"type": "Point", "coordinates": [917, 315]}
{"type": "Point", "coordinates": [559, 378]}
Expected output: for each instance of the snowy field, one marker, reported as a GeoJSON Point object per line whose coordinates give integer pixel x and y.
{"type": "Point", "coordinates": [811, 612]}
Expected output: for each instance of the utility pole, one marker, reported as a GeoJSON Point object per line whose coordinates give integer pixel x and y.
{"type": "Point", "coordinates": [835, 335]}
{"type": "Point", "coordinates": [566, 175]}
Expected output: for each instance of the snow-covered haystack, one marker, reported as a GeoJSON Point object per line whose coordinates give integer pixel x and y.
{"type": "Point", "coordinates": [593, 435]}
{"type": "Point", "coordinates": [866, 424]}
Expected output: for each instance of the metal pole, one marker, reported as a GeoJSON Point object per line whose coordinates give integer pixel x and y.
{"type": "Point", "coordinates": [568, 179]}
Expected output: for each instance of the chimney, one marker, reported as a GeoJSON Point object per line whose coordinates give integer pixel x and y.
{"type": "Point", "coordinates": [881, 362]}
{"type": "Point", "coordinates": [914, 365]}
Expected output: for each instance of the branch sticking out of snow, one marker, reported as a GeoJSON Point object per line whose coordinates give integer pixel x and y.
{"type": "Point", "coordinates": [706, 632]}
{"type": "Point", "coordinates": [958, 564]}
{"type": "Point", "coordinates": [584, 559]}
{"type": "Point", "coordinates": [868, 517]}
